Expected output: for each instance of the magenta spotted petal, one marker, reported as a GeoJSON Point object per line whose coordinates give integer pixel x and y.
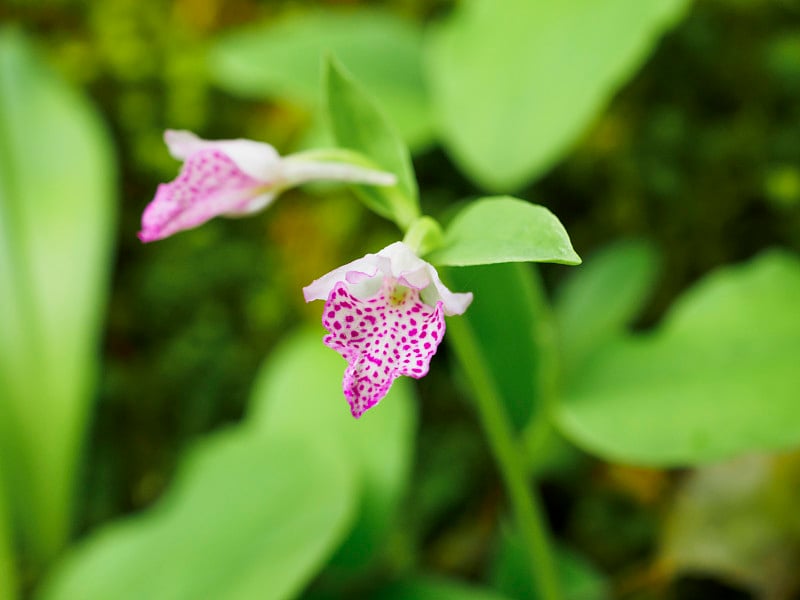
{"type": "Point", "coordinates": [385, 314]}
{"type": "Point", "coordinates": [390, 334]}
{"type": "Point", "coordinates": [210, 184]}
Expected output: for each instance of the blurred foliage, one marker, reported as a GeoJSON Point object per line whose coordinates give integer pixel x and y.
{"type": "Point", "coordinates": [253, 539]}
{"type": "Point", "coordinates": [654, 398]}
{"type": "Point", "coordinates": [739, 519]}
{"type": "Point", "coordinates": [286, 399]}
{"type": "Point", "coordinates": [699, 154]}
{"type": "Point", "coordinates": [54, 287]}
{"type": "Point", "coordinates": [280, 58]}
{"type": "Point", "coordinates": [516, 82]}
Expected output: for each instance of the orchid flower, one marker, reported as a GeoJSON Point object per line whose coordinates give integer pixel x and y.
{"type": "Point", "coordinates": [385, 315]}
{"type": "Point", "coordinates": [233, 178]}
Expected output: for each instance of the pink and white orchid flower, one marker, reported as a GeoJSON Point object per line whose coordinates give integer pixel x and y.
{"type": "Point", "coordinates": [385, 315]}
{"type": "Point", "coordinates": [233, 178]}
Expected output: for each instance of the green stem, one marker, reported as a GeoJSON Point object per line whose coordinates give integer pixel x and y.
{"type": "Point", "coordinates": [423, 236]}
{"type": "Point", "coordinates": [508, 454]}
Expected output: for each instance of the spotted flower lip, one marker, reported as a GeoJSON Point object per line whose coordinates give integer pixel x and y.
{"type": "Point", "coordinates": [384, 314]}
{"type": "Point", "coordinates": [233, 178]}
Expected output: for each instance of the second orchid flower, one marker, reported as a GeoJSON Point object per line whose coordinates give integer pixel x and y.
{"type": "Point", "coordinates": [234, 178]}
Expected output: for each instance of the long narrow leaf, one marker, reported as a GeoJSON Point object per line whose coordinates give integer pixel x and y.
{"type": "Point", "coordinates": [56, 214]}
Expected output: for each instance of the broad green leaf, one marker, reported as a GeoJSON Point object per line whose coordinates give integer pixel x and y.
{"type": "Point", "coordinates": [248, 516]}
{"type": "Point", "coordinates": [503, 229]}
{"type": "Point", "coordinates": [738, 521]}
{"type": "Point", "coordinates": [600, 299]}
{"type": "Point", "coordinates": [282, 59]}
{"type": "Point", "coordinates": [357, 123]}
{"type": "Point", "coordinates": [436, 588]}
{"type": "Point", "coordinates": [514, 83]}
{"type": "Point", "coordinates": [508, 316]}
{"type": "Point", "coordinates": [8, 575]}
{"type": "Point", "coordinates": [299, 391]}
{"type": "Point", "coordinates": [718, 378]}
{"type": "Point", "coordinates": [56, 223]}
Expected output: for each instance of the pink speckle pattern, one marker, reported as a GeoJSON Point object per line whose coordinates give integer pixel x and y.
{"type": "Point", "coordinates": [392, 333]}
{"type": "Point", "coordinates": [209, 184]}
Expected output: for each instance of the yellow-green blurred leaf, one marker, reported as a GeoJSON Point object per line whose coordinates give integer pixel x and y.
{"type": "Point", "coordinates": [56, 222]}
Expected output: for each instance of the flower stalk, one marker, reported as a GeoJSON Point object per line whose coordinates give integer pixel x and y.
{"type": "Point", "coordinates": [508, 454]}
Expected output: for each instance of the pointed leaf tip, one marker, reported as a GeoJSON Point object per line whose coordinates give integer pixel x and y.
{"type": "Point", "coordinates": [358, 123]}
{"type": "Point", "coordinates": [505, 229]}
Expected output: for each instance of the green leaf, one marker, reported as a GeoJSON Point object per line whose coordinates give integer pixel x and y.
{"type": "Point", "coordinates": [357, 123]}
{"type": "Point", "coordinates": [379, 445]}
{"type": "Point", "coordinates": [718, 378]}
{"type": "Point", "coordinates": [508, 316]}
{"type": "Point", "coordinates": [8, 574]}
{"type": "Point", "coordinates": [282, 59]}
{"type": "Point", "coordinates": [248, 515]}
{"type": "Point", "coordinates": [503, 229]}
{"type": "Point", "coordinates": [515, 83]}
{"type": "Point", "coordinates": [436, 588]}
{"type": "Point", "coordinates": [601, 299]}
{"type": "Point", "coordinates": [56, 223]}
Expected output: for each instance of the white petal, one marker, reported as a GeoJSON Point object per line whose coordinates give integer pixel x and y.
{"type": "Point", "coordinates": [399, 262]}
{"type": "Point", "coordinates": [406, 266]}
{"type": "Point", "coordinates": [257, 159]}
{"type": "Point", "coordinates": [320, 289]}
{"type": "Point", "coordinates": [416, 273]}
{"type": "Point", "coordinates": [182, 143]}
{"type": "Point", "coordinates": [455, 303]}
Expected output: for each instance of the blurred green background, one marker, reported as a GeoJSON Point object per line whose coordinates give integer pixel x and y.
{"type": "Point", "coordinates": [692, 147]}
